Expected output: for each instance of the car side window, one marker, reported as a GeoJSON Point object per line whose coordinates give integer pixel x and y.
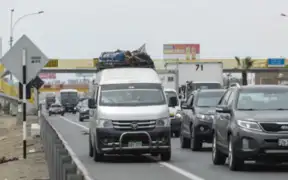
{"type": "Point", "coordinates": [231, 97]}
{"type": "Point", "coordinates": [225, 97]}
{"type": "Point", "coordinates": [190, 100]}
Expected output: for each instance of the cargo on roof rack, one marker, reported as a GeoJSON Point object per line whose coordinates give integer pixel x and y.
{"type": "Point", "coordinates": [120, 59]}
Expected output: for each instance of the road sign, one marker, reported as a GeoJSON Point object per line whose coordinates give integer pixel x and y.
{"type": "Point", "coordinates": [37, 82]}
{"type": "Point", "coordinates": [276, 62]}
{"type": "Point", "coordinates": [35, 59]}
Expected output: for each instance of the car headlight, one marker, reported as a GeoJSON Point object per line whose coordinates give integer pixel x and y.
{"type": "Point", "coordinates": [249, 125]}
{"type": "Point", "coordinates": [204, 117]}
{"type": "Point", "coordinates": [163, 122]}
{"type": "Point", "coordinates": [104, 123]}
{"type": "Point", "coordinates": [85, 110]}
{"type": "Point", "coordinates": [178, 116]}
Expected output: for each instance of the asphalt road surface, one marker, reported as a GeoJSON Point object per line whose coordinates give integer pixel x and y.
{"type": "Point", "coordinates": [184, 164]}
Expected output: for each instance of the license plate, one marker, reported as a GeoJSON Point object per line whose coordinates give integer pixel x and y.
{"type": "Point", "coordinates": [135, 144]}
{"type": "Point", "coordinates": [283, 142]}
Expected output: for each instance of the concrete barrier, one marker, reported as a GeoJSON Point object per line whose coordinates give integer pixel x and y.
{"type": "Point", "coordinates": [61, 160]}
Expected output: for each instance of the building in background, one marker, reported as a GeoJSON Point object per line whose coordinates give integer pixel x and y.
{"type": "Point", "coordinates": [181, 51]}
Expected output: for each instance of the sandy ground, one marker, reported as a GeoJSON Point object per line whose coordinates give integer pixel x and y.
{"type": "Point", "coordinates": [32, 168]}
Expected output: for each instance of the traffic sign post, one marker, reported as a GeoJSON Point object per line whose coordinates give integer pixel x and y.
{"type": "Point", "coordinates": [24, 60]}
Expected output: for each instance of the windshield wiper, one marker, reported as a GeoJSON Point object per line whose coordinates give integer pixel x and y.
{"type": "Point", "coordinates": [248, 109]}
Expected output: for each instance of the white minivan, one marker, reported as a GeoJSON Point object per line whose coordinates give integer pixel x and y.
{"type": "Point", "coordinates": [128, 114]}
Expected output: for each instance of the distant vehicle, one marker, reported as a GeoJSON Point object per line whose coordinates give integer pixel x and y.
{"type": "Point", "coordinates": [169, 78]}
{"type": "Point", "coordinates": [56, 109]}
{"type": "Point", "coordinates": [174, 107]}
{"type": "Point", "coordinates": [197, 117]}
{"type": "Point", "coordinates": [69, 99]}
{"type": "Point", "coordinates": [49, 100]}
{"type": "Point", "coordinates": [251, 124]}
{"type": "Point", "coordinates": [83, 110]}
{"type": "Point", "coordinates": [197, 75]}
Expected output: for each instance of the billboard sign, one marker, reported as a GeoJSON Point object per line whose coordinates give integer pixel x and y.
{"type": "Point", "coordinates": [47, 75]}
{"type": "Point", "coordinates": [181, 51]}
{"type": "Point", "coordinates": [276, 62]}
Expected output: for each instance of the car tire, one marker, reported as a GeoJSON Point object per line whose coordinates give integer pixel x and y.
{"type": "Point", "coordinates": [81, 119]}
{"type": "Point", "coordinates": [74, 112]}
{"type": "Point", "coordinates": [218, 158]}
{"type": "Point", "coordinates": [177, 133]}
{"type": "Point", "coordinates": [97, 157]}
{"type": "Point", "coordinates": [49, 114]}
{"type": "Point", "coordinates": [196, 143]}
{"type": "Point", "coordinates": [185, 143]}
{"type": "Point", "coordinates": [90, 146]}
{"type": "Point", "coordinates": [62, 114]}
{"type": "Point", "coordinates": [234, 163]}
{"type": "Point", "coordinates": [165, 156]}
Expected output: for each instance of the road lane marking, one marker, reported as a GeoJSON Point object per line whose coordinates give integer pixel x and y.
{"type": "Point", "coordinates": [167, 165]}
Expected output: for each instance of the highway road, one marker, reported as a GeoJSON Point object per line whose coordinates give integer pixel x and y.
{"type": "Point", "coordinates": [184, 165]}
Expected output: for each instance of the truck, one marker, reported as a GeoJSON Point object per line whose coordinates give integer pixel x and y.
{"type": "Point", "coordinates": [169, 78]}
{"type": "Point", "coordinates": [69, 99]}
{"type": "Point", "coordinates": [50, 99]}
{"type": "Point", "coordinates": [197, 75]}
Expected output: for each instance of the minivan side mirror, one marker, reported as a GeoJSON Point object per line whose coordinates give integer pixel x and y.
{"type": "Point", "coordinates": [172, 102]}
{"type": "Point", "coordinates": [223, 109]}
{"type": "Point", "coordinates": [91, 103]}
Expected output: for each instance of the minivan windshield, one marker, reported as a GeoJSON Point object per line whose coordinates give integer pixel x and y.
{"type": "Point", "coordinates": [170, 94]}
{"type": "Point", "coordinates": [263, 99]}
{"type": "Point", "coordinates": [209, 99]}
{"type": "Point", "coordinates": [206, 86]}
{"type": "Point", "coordinates": [131, 95]}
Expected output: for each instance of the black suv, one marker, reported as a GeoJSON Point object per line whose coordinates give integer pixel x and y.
{"type": "Point", "coordinates": [197, 117]}
{"type": "Point", "coordinates": [251, 123]}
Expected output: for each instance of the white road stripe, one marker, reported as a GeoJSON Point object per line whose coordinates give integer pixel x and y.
{"type": "Point", "coordinates": [167, 165]}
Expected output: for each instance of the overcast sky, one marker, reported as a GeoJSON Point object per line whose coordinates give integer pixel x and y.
{"type": "Point", "coordinates": [83, 29]}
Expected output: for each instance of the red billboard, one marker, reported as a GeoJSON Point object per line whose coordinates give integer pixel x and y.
{"type": "Point", "coordinates": [47, 75]}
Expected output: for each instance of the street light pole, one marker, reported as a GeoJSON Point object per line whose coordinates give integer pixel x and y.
{"type": "Point", "coordinates": [11, 28]}
{"type": "Point", "coordinates": [12, 25]}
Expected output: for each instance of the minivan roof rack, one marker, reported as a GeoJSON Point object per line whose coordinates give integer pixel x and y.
{"type": "Point", "coordinates": [234, 85]}
{"type": "Point", "coordinates": [118, 64]}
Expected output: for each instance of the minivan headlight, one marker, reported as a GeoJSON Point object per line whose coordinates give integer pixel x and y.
{"type": "Point", "coordinates": [163, 122]}
{"type": "Point", "coordinates": [204, 117]}
{"type": "Point", "coordinates": [104, 123]}
{"type": "Point", "coordinates": [249, 125]}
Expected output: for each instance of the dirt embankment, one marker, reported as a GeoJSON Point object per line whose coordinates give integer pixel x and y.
{"type": "Point", "coordinates": [17, 168]}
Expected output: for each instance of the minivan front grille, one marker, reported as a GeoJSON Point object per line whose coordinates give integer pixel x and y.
{"type": "Point", "coordinates": [275, 127]}
{"type": "Point", "coordinates": [134, 124]}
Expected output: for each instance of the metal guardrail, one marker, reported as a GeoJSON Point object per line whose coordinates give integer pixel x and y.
{"type": "Point", "coordinates": [61, 160]}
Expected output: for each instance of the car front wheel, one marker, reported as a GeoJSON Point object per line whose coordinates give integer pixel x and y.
{"type": "Point", "coordinates": [234, 163]}
{"type": "Point", "coordinates": [218, 157]}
